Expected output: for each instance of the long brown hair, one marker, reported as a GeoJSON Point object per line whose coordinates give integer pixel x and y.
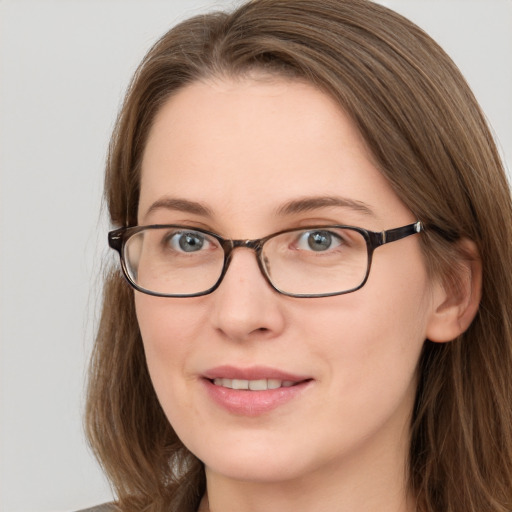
{"type": "Point", "coordinates": [430, 139]}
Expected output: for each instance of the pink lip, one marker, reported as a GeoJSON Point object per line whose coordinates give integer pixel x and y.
{"type": "Point", "coordinates": [252, 403]}
{"type": "Point", "coordinates": [252, 373]}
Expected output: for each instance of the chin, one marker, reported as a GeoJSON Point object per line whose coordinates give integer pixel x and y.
{"type": "Point", "coordinates": [260, 470]}
{"type": "Point", "coordinates": [253, 461]}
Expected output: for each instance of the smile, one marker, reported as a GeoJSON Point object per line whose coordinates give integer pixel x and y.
{"type": "Point", "coordinates": [253, 391]}
{"type": "Point", "coordinates": [253, 385]}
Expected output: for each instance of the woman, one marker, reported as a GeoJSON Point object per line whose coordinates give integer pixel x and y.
{"type": "Point", "coordinates": [263, 162]}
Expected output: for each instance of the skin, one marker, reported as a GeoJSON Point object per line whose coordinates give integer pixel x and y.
{"type": "Point", "coordinates": [244, 148]}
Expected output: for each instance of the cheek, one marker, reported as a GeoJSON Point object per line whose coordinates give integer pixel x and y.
{"type": "Point", "coordinates": [167, 330]}
{"type": "Point", "coordinates": [397, 323]}
{"type": "Point", "coordinates": [372, 339]}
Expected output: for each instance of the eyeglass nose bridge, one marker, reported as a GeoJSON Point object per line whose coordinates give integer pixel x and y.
{"type": "Point", "coordinates": [256, 245]}
{"type": "Point", "coordinates": [230, 245]}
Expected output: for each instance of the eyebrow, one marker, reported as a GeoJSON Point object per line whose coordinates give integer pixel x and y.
{"type": "Point", "coordinates": [181, 205]}
{"type": "Point", "coordinates": [314, 203]}
{"type": "Point", "coordinates": [294, 206]}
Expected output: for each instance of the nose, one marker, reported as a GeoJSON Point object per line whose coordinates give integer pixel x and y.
{"type": "Point", "coordinates": [245, 306]}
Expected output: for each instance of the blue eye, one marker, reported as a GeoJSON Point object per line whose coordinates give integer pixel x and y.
{"type": "Point", "coordinates": [191, 241]}
{"type": "Point", "coordinates": [318, 241]}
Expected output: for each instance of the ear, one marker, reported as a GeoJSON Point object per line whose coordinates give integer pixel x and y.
{"type": "Point", "coordinates": [455, 304]}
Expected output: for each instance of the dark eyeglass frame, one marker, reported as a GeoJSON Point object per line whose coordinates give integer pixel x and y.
{"type": "Point", "coordinates": [118, 237]}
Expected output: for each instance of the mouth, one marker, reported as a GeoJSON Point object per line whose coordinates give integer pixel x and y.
{"type": "Point", "coordinates": [254, 391]}
{"type": "Point", "coordinates": [254, 385]}
{"type": "Point", "coordinates": [256, 378]}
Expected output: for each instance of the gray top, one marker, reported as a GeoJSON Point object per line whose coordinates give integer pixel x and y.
{"type": "Point", "coordinates": [106, 507]}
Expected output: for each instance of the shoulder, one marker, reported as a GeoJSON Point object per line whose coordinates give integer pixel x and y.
{"type": "Point", "coordinates": [106, 507]}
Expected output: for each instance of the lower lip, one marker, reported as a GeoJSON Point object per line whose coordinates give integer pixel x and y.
{"type": "Point", "coordinates": [253, 403]}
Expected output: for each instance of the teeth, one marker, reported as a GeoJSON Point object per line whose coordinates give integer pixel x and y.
{"type": "Point", "coordinates": [238, 383]}
{"type": "Point", "coordinates": [273, 384]}
{"type": "Point", "coordinates": [253, 385]}
{"type": "Point", "coordinates": [258, 385]}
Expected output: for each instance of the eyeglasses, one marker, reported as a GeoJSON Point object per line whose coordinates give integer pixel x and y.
{"type": "Point", "coordinates": [316, 261]}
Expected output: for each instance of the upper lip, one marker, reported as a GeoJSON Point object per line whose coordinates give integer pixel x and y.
{"type": "Point", "coordinates": [251, 373]}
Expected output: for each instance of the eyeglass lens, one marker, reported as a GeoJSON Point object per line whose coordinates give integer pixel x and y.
{"type": "Point", "coordinates": [179, 261]}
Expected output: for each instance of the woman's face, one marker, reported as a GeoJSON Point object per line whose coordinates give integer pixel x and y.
{"type": "Point", "coordinates": [240, 158]}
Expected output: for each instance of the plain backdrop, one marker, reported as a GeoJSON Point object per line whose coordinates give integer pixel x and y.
{"type": "Point", "coordinates": [64, 66]}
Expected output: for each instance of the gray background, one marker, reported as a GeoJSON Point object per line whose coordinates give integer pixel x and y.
{"type": "Point", "coordinates": [64, 65]}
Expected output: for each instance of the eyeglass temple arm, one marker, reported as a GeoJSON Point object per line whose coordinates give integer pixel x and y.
{"type": "Point", "coordinates": [115, 239]}
{"type": "Point", "coordinates": [391, 235]}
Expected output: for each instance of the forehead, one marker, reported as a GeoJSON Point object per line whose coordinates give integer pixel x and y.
{"type": "Point", "coordinates": [246, 146]}
{"type": "Point", "coordinates": [263, 114]}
